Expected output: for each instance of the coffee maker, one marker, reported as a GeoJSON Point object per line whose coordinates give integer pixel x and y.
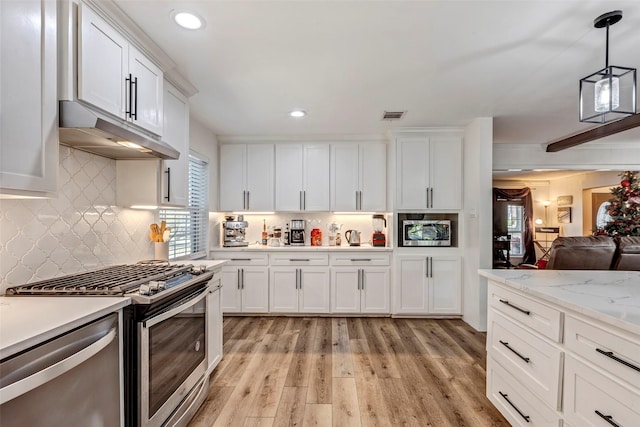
{"type": "Point", "coordinates": [234, 231]}
{"type": "Point", "coordinates": [379, 223]}
{"type": "Point", "coordinates": [297, 233]}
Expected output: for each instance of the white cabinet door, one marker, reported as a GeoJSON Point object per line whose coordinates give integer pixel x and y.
{"type": "Point", "coordinates": [232, 177]}
{"type": "Point", "coordinates": [344, 177]}
{"type": "Point", "coordinates": [231, 292]}
{"type": "Point", "coordinates": [374, 290]}
{"type": "Point", "coordinates": [412, 291]}
{"type": "Point", "coordinates": [445, 285]}
{"type": "Point", "coordinates": [214, 325]}
{"type": "Point", "coordinates": [373, 177]}
{"type": "Point", "coordinates": [345, 290]}
{"type": "Point", "coordinates": [288, 177]}
{"type": "Point", "coordinates": [260, 178]}
{"type": "Point", "coordinates": [28, 98]}
{"type": "Point", "coordinates": [283, 295]}
{"type": "Point", "coordinates": [147, 92]}
{"type": "Point", "coordinates": [103, 63]}
{"type": "Point", "coordinates": [412, 173]}
{"type": "Point", "coordinates": [175, 177]}
{"type": "Point", "coordinates": [316, 177]}
{"type": "Point", "coordinates": [255, 289]}
{"type": "Point", "coordinates": [446, 173]}
{"type": "Point", "coordinates": [314, 290]}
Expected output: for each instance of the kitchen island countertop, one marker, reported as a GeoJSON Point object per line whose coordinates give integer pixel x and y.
{"type": "Point", "coordinates": [27, 321]}
{"type": "Point", "coordinates": [612, 297]}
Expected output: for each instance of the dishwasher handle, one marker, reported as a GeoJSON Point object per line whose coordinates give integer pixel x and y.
{"type": "Point", "coordinates": [33, 381]}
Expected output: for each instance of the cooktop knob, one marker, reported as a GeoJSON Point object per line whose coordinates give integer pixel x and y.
{"type": "Point", "coordinates": [145, 289]}
{"type": "Point", "coordinates": [198, 269]}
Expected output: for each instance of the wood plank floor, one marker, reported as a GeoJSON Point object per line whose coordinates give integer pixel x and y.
{"type": "Point", "coordinates": [298, 371]}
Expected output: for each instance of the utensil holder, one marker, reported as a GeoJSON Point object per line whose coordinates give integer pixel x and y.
{"type": "Point", "coordinates": [161, 251]}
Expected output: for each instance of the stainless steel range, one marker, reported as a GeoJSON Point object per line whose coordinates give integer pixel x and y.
{"type": "Point", "coordinates": [164, 334]}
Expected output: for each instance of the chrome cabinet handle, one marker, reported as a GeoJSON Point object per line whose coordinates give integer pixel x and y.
{"type": "Point", "coordinates": [610, 355]}
{"type": "Point", "coordinates": [506, 397]}
{"type": "Point", "coordinates": [304, 200]}
{"type": "Point", "coordinates": [607, 418]}
{"type": "Point", "coordinates": [239, 259]}
{"type": "Point", "coordinates": [362, 279]}
{"type": "Point", "coordinates": [243, 278]}
{"type": "Point", "coordinates": [506, 344]}
{"type": "Point", "coordinates": [248, 200]}
{"type": "Point", "coordinates": [299, 259]}
{"type": "Point", "coordinates": [430, 266]}
{"type": "Point", "coordinates": [360, 259]}
{"type": "Point", "coordinates": [426, 265]}
{"type": "Point", "coordinates": [239, 278]}
{"type": "Point", "coordinates": [359, 271]}
{"type": "Point", "coordinates": [522, 310]}
{"type": "Point", "coordinates": [431, 197]}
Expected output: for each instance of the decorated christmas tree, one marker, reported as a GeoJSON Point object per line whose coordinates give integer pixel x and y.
{"type": "Point", "coordinates": [624, 207]}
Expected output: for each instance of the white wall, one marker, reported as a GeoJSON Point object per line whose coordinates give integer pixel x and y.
{"type": "Point", "coordinates": [478, 223]}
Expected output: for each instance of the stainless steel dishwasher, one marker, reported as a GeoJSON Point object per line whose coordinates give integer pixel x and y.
{"type": "Point", "coordinates": [72, 380]}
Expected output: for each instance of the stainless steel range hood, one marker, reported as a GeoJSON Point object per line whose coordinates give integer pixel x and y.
{"type": "Point", "coordinates": [94, 132]}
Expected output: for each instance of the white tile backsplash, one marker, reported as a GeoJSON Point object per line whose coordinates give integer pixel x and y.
{"type": "Point", "coordinates": [81, 229]}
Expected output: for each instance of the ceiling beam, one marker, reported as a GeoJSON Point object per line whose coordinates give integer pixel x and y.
{"type": "Point", "coordinates": [595, 133]}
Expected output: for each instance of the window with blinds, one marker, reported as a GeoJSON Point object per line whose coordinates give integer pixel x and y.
{"type": "Point", "coordinates": [189, 226]}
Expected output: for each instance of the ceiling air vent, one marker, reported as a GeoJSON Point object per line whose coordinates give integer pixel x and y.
{"type": "Point", "coordinates": [393, 115]}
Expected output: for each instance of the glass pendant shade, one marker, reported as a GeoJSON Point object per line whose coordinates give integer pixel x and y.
{"type": "Point", "coordinates": [607, 94]}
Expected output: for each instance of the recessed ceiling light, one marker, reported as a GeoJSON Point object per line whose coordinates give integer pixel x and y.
{"type": "Point", "coordinates": [298, 113]}
{"type": "Point", "coordinates": [188, 20]}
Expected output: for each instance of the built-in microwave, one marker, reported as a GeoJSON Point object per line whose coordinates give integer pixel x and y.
{"type": "Point", "coordinates": [425, 232]}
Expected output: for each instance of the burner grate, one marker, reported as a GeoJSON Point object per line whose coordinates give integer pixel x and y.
{"type": "Point", "coordinates": [114, 280]}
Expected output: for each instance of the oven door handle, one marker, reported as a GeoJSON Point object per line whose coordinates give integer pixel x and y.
{"type": "Point", "coordinates": [33, 381]}
{"type": "Point", "coordinates": [180, 307]}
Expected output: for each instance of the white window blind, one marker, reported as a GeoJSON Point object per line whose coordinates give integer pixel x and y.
{"type": "Point", "coordinates": [189, 226]}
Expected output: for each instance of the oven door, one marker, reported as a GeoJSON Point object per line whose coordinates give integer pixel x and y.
{"type": "Point", "coordinates": [172, 357]}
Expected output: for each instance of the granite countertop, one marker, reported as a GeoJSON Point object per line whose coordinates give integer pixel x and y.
{"type": "Point", "coordinates": [612, 297]}
{"type": "Point", "coordinates": [345, 247]}
{"type": "Point", "coordinates": [27, 321]}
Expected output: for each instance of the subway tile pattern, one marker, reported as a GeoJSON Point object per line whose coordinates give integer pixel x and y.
{"type": "Point", "coordinates": [81, 229]}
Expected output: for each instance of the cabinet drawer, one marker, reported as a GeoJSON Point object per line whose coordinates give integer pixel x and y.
{"type": "Point", "coordinates": [359, 258]}
{"type": "Point", "coordinates": [293, 258]}
{"type": "Point", "coordinates": [534, 361]}
{"type": "Point", "coordinates": [614, 352]}
{"type": "Point", "coordinates": [242, 258]}
{"type": "Point", "coordinates": [591, 397]}
{"type": "Point", "coordinates": [537, 316]}
{"type": "Point", "coordinates": [518, 405]}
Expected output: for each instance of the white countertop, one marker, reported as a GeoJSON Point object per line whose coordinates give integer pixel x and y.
{"type": "Point", "coordinates": [612, 297]}
{"type": "Point", "coordinates": [27, 321]}
{"type": "Point", "coordinates": [259, 248]}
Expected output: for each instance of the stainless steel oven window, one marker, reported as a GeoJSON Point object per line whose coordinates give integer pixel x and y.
{"type": "Point", "coordinates": [173, 358]}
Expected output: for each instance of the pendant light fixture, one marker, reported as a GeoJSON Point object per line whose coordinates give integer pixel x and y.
{"type": "Point", "coordinates": [608, 94]}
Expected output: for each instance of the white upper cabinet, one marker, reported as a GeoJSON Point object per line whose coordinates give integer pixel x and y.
{"type": "Point", "coordinates": [302, 177]}
{"type": "Point", "coordinates": [28, 98]}
{"type": "Point", "coordinates": [160, 182]}
{"type": "Point", "coordinates": [114, 76]}
{"type": "Point", "coordinates": [246, 177]}
{"type": "Point", "coordinates": [175, 176]}
{"type": "Point", "coordinates": [429, 172]}
{"type": "Point", "coordinates": [358, 177]}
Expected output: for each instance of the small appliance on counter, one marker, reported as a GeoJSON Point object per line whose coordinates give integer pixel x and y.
{"type": "Point", "coordinates": [234, 231]}
{"type": "Point", "coordinates": [297, 234]}
{"type": "Point", "coordinates": [353, 237]}
{"type": "Point", "coordinates": [379, 239]}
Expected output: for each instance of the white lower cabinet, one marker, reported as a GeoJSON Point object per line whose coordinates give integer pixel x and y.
{"type": "Point", "coordinates": [518, 405]}
{"type": "Point", "coordinates": [547, 365]}
{"type": "Point", "coordinates": [214, 322]}
{"type": "Point", "coordinates": [428, 285]}
{"type": "Point", "coordinates": [593, 398]}
{"type": "Point", "coordinates": [299, 290]}
{"type": "Point", "coordinates": [245, 289]}
{"type": "Point", "coordinates": [360, 290]}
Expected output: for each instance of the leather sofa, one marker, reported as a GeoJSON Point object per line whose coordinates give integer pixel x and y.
{"type": "Point", "coordinates": [595, 253]}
